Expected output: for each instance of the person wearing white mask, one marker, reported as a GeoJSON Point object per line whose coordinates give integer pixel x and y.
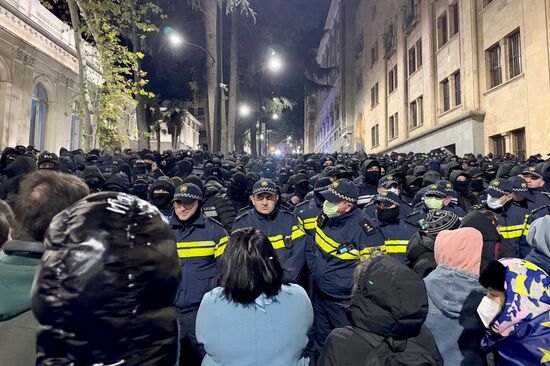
{"type": "Point", "coordinates": [516, 313]}
{"type": "Point", "coordinates": [505, 199]}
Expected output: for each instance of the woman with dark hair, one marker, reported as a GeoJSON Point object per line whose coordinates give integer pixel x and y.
{"type": "Point", "coordinates": [255, 317]}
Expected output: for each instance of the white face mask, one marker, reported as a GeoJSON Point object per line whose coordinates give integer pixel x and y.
{"type": "Point", "coordinates": [488, 310]}
{"type": "Point", "coordinates": [494, 203]}
{"type": "Point", "coordinates": [394, 190]}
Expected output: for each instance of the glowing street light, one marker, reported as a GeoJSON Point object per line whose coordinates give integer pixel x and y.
{"type": "Point", "coordinates": [175, 39]}
{"type": "Point", "coordinates": [244, 110]}
{"type": "Point", "coordinates": [275, 117]}
{"type": "Point", "coordinates": [275, 63]}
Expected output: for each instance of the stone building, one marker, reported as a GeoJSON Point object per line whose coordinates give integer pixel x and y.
{"type": "Point", "coordinates": [465, 75]}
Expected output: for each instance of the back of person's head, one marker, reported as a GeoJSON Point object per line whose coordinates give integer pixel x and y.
{"type": "Point", "coordinates": [4, 229]}
{"type": "Point", "coordinates": [459, 249]}
{"type": "Point", "coordinates": [42, 195]}
{"type": "Point", "coordinates": [104, 290]}
{"type": "Point", "coordinates": [539, 235]}
{"type": "Point", "coordinates": [485, 221]}
{"type": "Point", "coordinates": [388, 298]}
{"type": "Point", "coordinates": [250, 267]}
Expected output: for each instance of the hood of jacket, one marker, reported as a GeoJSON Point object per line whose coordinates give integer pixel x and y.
{"type": "Point", "coordinates": [460, 249]}
{"type": "Point", "coordinates": [483, 224]}
{"type": "Point", "coordinates": [369, 163]}
{"type": "Point", "coordinates": [21, 166]}
{"type": "Point", "coordinates": [431, 176]}
{"type": "Point", "coordinates": [119, 181]}
{"type": "Point", "coordinates": [450, 288]}
{"type": "Point", "coordinates": [539, 235]}
{"type": "Point", "coordinates": [389, 300]}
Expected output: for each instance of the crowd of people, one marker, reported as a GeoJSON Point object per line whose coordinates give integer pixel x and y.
{"type": "Point", "coordinates": [190, 258]}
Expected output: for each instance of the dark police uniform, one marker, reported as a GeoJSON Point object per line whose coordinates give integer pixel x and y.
{"type": "Point", "coordinates": [536, 197]}
{"type": "Point", "coordinates": [197, 240]}
{"type": "Point", "coordinates": [441, 189]}
{"type": "Point", "coordinates": [387, 182]}
{"type": "Point", "coordinates": [395, 234]}
{"type": "Point", "coordinates": [341, 243]}
{"type": "Point", "coordinates": [284, 229]}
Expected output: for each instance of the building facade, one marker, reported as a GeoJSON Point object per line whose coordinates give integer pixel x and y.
{"type": "Point", "coordinates": [38, 78]}
{"type": "Point", "coordinates": [463, 75]}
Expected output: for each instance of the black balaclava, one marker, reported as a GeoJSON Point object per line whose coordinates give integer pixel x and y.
{"type": "Point", "coordinates": [388, 215]}
{"type": "Point", "coordinates": [238, 187]}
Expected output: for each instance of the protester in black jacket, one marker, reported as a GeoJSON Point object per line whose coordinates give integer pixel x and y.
{"type": "Point", "coordinates": [388, 308]}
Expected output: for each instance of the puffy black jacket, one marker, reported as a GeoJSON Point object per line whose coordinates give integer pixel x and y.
{"type": "Point", "coordinates": [105, 287]}
{"type": "Point", "coordinates": [389, 305]}
{"type": "Point", "coordinates": [420, 254]}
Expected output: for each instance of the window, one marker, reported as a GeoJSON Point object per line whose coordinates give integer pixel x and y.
{"type": "Point", "coordinates": [374, 53]}
{"type": "Point", "coordinates": [200, 111]}
{"type": "Point", "coordinates": [374, 136]}
{"type": "Point", "coordinates": [495, 66]}
{"type": "Point", "coordinates": [38, 116]}
{"type": "Point", "coordinates": [442, 30]}
{"type": "Point", "coordinates": [374, 96]}
{"type": "Point", "coordinates": [75, 126]}
{"type": "Point", "coordinates": [359, 46]}
{"type": "Point", "coordinates": [392, 79]}
{"type": "Point", "coordinates": [416, 109]}
{"type": "Point", "coordinates": [455, 19]}
{"type": "Point", "coordinates": [514, 50]}
{"type": "Point", "coordinates": [415, 56]}
{"type": "Point", "coordinates": [518, 143]}
{"type": "Point", "coordinates": [499, 145]}
{"type": "Point", "coordinates": [458, 91]}
{"type": "Point", "coordinates": [413, 114]}
{"type": "Point", "coordinates": [392, 127]}
{"type": "Point", "coordinates": [445, 94]}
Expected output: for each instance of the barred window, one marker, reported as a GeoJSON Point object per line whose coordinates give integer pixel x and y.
{"type": "Point", "coordinates": [514, 49]}
{"type": "Point", "coordinates": [495, 66]}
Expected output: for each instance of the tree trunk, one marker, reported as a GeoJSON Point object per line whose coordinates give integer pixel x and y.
{"type": "Point", "coordinates": [210, 22]}
{"type": "Point", "coordinates": [233, 82]}
{"type": "Point", "coordinates": [143, 141]}
{"type": "Point", "coordinates": [85, 99]}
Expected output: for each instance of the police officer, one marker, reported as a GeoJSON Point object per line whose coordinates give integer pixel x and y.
{"type": "Point", "coordinates": [439, 196]}
{"type": "Point", "coordinates": [534, 177]}
{"type": "Point", "coordinates": [395, 230]}
{"type": "Point", "coordinates": [388, 183]}
{"type": "Point", "coordinates": [48, 161]}
{"type": "Point", "coordinates": [197, 237]}
{"type": "Point", "coordinates": [505, 201]}
{"type": "Point", "coordinates": [308, 211]}
{"type": "Point", "coordinates": [284, 229]}
{"type": "Point", "coordinates": [342, 239]}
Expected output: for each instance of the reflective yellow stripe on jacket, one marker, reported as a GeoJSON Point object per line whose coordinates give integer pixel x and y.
{"type": "Point", "coordinates": [220, 248]}
{"type": "Point", "coordinates": [511, 232]}
{"type": "Point", "coordinates": [310, 224]}
{"type": "Point", "coordinates": [396, 246]}
{"type": "Point", "coordinates": [196, 249]}
{"type": "Point", "coordinates": [331, 247]}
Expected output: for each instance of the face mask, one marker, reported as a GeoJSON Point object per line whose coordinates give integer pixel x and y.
{"type": "Point", "coordinates": [394, 190]}
{"type": "Point", "coordinates": [330, 209]}
{"type": "Point", "coordinates": [461, 186]}
{"type": "Point", "coordinates": [433, 203]}
{"type": "Point", "coordinates": [372, 177]}
{"type": "Point", "coordinates": [161, 200]}
{"type": "Point", "coordinates": [494, 203]}
{"type": "Point", "coordinates": [489, 176]}
{"type": "Point", "coordinates": [388, 214]}
{"type": "Point", "coordinates": [477, 185]}
{"type": "Point", "coordinates": [414, 189]}
{"type": "Point", "coordinates": [488, 310]}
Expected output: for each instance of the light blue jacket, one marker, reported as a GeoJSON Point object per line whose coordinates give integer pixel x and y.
{"type": "Point", "coordinates": [453, 298]}
{"type": "Point", "coordinates": [271, 332]}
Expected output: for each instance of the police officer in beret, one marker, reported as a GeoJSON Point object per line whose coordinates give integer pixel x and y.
{"type": "Point", "coordinates": [198, 238]}
{"type": "Point", "coordinates": [284, 229]}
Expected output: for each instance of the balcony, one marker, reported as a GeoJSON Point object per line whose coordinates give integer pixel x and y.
{"type": "Point", "coordinates": [411, 16]}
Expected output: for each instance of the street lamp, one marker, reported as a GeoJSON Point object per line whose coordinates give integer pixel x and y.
{"type": "Point", "coordinates": [176, 40]}
{"type": "Point", "coordinates": [275, 63]}
{"type": "Point", "coordinates": [244, 110]}
{"type": "Point", "coordinates": [275, 117]}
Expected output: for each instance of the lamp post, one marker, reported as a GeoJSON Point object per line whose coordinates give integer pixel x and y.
{"type": "Point", "coordinates": [176, 40]}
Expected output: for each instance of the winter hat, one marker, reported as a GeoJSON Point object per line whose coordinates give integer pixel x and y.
{"type": "Point", "coordinates": [439, 220]}
{"type": "Point", "coordinates": [539, 235]}
{"type": "Point", "coordinates": [460, 249]}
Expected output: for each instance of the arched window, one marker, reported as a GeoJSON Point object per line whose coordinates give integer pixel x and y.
{"type": "Point", "coordinates": [75, 126]}
{"type": "Point", "coordinates": [38, 116]}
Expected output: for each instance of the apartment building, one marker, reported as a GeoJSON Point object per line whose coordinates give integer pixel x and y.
{"type": "Point", "coordinates": [464, 75]}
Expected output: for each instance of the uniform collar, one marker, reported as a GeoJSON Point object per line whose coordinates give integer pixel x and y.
{"type": "Point", "coordinates": [196, 220]}
{"type": "Point", "coordinates": [270, 217]}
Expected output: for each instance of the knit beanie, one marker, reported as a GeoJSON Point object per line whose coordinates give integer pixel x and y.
{"type": "Point", "coordinates": [439, 220]}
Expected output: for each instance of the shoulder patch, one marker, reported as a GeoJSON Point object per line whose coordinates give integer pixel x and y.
{"type": "Point", "coordinates": [366, 225]}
